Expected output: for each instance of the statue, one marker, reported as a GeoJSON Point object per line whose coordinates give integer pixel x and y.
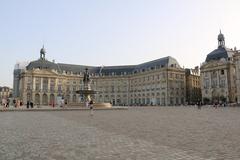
{"type": "Point", "coordinates": [42, 53]}
{"type": "Point", "coordinates": [87, 93]}
{"type": "Point", "coordinates": [86, 78]}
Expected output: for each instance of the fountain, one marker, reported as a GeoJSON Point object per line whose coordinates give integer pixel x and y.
{"type": "Point", "coordinates": [87, 92]}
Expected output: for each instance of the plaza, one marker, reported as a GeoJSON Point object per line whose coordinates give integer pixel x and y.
{"type": "Point", "coordinates": [142, 133]}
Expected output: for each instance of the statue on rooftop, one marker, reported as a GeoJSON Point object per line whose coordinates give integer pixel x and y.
{"type": "Point", "coordinates": [86, 78]}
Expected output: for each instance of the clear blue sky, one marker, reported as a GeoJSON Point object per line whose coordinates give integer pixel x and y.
{"type": "Point", "coordinates": [114, 32]}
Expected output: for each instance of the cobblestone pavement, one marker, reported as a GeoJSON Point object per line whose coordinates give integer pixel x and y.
{"type": "Point", "coordinates": [164, 133]}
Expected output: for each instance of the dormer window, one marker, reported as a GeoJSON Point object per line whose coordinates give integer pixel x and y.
{"type": "Point", "coordinates": [222, 72]}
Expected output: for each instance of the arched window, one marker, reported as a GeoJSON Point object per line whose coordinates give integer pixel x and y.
{"type": "Point", "coordinates": [37, 99]}
{"type": "Point", "coordinates": [45, 99]}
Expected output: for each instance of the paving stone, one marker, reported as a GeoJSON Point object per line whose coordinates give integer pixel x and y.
{"type": "Point", "coordinates": [154, 133]}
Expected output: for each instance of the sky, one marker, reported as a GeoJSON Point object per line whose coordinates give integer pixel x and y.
{"type": "Point", "coordinates": [114, 32]}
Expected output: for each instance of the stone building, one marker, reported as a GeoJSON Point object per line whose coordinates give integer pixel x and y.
{"type": "Point", "coordinates": [158, 82]}
{"type": "Point", "coordinates": [237, 63]}
{"type": "Point", "coordinates": [218, 74]}
{"type": "Point", "coordinates": [193, 87]}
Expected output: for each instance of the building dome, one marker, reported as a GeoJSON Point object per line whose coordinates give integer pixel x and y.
{"type": "Point", "coordinates": [219, 53]}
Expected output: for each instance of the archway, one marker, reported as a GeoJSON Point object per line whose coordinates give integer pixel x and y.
{"type": "Point", "coordinates": [163, 102]}
{"type": "Point", "coordinates": [37, 99]}
{"type": "Point", "coordinates": [45, 99]}
{"type": "Point", "coordinates": [74, 98]}
{"type": "Point", "coordinates": [52, 99]}
{"type": "Point", "coordinates": [67, 100]}
{"type": "Point", "coordinates": [28, 97]}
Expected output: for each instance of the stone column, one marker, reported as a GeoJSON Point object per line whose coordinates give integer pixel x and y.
{"type": "Point", "coordinates": [33, 83]}
{"type": "Point", "coordinates": [49, 81]}
{"type": "Point", "coordinates": [40, 98]}
{"type": "Point", "coordinates": [41, 85]}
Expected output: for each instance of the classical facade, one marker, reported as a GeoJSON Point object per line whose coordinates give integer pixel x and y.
{"type": "Point", "coordinates": [159, 82]}
{"type": "Point", "coordinates": [193, 87]}
{"type": "Point", "coordinates": [237, 63]}
{"type": "Point", "coordinates": [218, 74]}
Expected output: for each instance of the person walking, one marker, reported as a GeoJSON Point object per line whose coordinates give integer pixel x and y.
{"type": "Point", "coordinates": [199, 104]}
{"type": "Point", "coordinates": [28, 103]}
{"type": "Point", "coordinates": [8, 102]}
{"type": "Point", "coordinates": [91, 107]}
{"type": "Point", "coordinates": [31, 104]}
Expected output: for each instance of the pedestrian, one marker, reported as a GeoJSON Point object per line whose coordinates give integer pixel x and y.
{"type": "Point", "coordinates": [62, 103]}
{"type": "Point", "coordinates": [199, 105]}
{"type": "Point", "coordinates": [31, 104]}
{"type": "Point", "coordinates": [91, 107]}
{"type": "Point", "coordinates": [14, 103]}
{"type": "Point", "coordinates": [8, 101]}
{"type": "Point", "coordinates": [28, 104]}
{"type": "Point", "coordinates": [21, 103]}
{"type": "Point", "coordinates": [4, 102]}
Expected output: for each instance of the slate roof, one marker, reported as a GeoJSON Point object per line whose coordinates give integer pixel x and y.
{"type": "Point", "coordinates": [43, 64]}
{"type": "Point", "coordinates": [220, 52]}
{"type": "Point", "coordinates": [162, 62]}
{"type": "Point", "coordinates": [116, 70]}
{"type": "Point", "coordinates": [76, 68]}
{"type": "Point", "coordinates": [104, 70]}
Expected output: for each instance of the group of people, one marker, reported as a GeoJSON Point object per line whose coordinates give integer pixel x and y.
{"type": "Point", "coordinates": [7, 102]}
{"type": "Point", "coordinates": [29, 104]}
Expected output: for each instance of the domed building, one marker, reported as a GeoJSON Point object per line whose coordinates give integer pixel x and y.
{"type": "Point", "coordinates": [218, 74]}
{"type": "Point", "coordinates": [158, 82]}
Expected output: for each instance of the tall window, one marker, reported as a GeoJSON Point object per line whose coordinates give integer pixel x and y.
{"type": "Point", "coordinates": [68, 88]}
{"type": "Point", "coordinates": [52, 85]}
{"type": "Point", "coordinates": [45, 84]}
{"type": "Point", "coordinates": [74, 88]}
{"type": "Point", "coordinates": [222, 71]}
{"type": "Point", "coordinates": [28, 86]}
{"type": "Point", "coordinates": [206, 84]}
{"type": "Point", "coordinates": [59, 86]}
{"type": "Point", "coordinates": [222, 83]}
{"type": "Point", "coordinates": [37, 84]}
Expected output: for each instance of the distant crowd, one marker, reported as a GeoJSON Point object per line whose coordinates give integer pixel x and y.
{"type": "Point", "coordinates": [6, 103]}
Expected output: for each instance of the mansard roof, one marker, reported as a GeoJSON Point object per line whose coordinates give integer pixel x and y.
{"type": "Point", "coordinates": [76, 68]}
{"type": "Point", "coordinates": [116, 70]}
{"type": "Point", "coordinates": [104, 70]}
{"type": "Point", "coordinates": [220, 52]}
{"type": "Point", "coordinates": [42, 64]}
{"type": "Point", "coordinates": [159, 63]}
